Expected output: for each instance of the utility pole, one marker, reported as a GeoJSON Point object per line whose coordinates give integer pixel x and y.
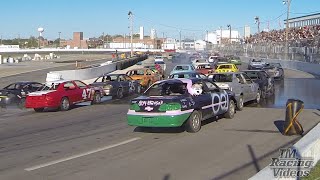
{"type": "Point", "coordinates": [102, 39]}
{"type": "Point", "coordinates": [194, 41]}
{"type": "Point", "coordinates": [180, 39]}
{"type": "Point", "coordinates": [59, 38]}
{"type": "Point", "coordinates": [107, 41]}
{"type": "Point", "coordinates": [229, 26]}
{"type": "Point", "coordinates": [163, 40]}
{"type": "Point", "coordinates": [131, 30]}
{"type": "Point", "coordinates": [19, 39]}
{"type": "Point", "coordinates": [257, 21]}
{"type": "Point", "coordinates": [220, 34]}
{"type": "Point", "coordinates": [288, 2]}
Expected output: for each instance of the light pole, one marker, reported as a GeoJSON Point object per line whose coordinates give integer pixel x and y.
{"type": "Point", "coordinates": [220, 34]}
{"type": "Point", "coordinates": [229, 26]}
{"type": "Point", "coordinates": [59, 38]}
{"type": "Point", "coordinates": [180, 39]}
{"type": "Point", "coordinates": [131, 31]}
{"type": "Point", "coordinates": [288, 2]}
{"type": "Point", "coordinates": [257, 21]}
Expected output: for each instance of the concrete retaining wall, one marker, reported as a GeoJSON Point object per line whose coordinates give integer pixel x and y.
{"type": "Point", "coordinates": [297, 65]}
{"type": "Point", "coordinates": [82, 74]}
{"type": "Point", "coordinates": [307, 147]}
{"type": "Point", "coordinates": [93, 72]}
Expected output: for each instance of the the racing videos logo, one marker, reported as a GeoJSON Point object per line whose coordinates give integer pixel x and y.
{"type": "Point", "coordinates": [288, 164]}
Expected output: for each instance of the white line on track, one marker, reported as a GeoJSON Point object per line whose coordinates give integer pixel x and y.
{"type": "Point", "coordinates": [80, 155]}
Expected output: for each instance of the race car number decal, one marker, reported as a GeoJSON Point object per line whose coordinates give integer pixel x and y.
{"type": "Point", "coordinates": [86, 93]}
{"type": "Point", "coordinates": [222, 104]}
{"type": "Point", "coordinates": [131, 86]}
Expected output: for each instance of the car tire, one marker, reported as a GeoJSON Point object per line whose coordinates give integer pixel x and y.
{"type": "Point", "coordinates": [193, 124]}
{"type": "Point", "coordinates": [231, 110]}
{"type": "Point", "coordinates": [119, 93]}
{"type": "Point", "coordinates": [240, 103]}
{"type": "Point", "coordinates": [96, 98]}
{"type": "Point", "coordinates": [38, 109]}
{"type": "Point", "coordinates": [264, 93]}
{"type": "Point", "coordinates": [272, 90]}
{"type": "Point", "coordinates": [64, 104]}
{"type": "Point", "coordinates": [258, 97]}
{"type": "Point", "coordinates": [21, 104]}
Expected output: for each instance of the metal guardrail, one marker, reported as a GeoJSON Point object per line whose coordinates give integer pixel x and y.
{"type": "Point", "coordinates": [272, 51]}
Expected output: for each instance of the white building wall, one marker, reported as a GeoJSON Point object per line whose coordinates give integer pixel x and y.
{"type": "Point", "coordinates": [211, 37]}
{"type": "Point", "coordinates": [235, 35]}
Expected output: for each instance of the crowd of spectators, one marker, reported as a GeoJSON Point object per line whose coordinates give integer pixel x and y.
{"type": "Point", "coordinates": [301, 36]}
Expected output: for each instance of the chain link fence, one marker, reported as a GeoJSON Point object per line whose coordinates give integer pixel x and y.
{"type": "Point", "coordinates": [296, 51]}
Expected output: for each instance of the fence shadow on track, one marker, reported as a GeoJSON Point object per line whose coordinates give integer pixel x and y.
{"type": "Point", "coordinates": [255, 160]}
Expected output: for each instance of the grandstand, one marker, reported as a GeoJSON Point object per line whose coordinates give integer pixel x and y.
{"type": "Point", "coordinates": [303, 31]}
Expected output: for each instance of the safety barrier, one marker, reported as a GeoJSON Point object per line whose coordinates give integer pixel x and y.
{"type": "Point", "coordinates": [93, 72]}
{"type": "Point", "coordinates": [290, 64]}
{"type": "Point", "coordinates": [306, 147]}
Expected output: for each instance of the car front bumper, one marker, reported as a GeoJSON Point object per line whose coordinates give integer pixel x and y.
{"type": "Point", "coordinates": [157, 121]}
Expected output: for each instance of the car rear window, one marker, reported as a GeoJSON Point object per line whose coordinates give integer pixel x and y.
{"type": "Point", "coordinates": [252, 75]}
{"type": "Point", "coordinates": [50, 86]}
{"type": "Point", "coordinates": [222, 77]}
{"type": "Point", "coordinates": [225, 67]}
{"type": "Point", "coordinates": [182, 68]}
{"type": "Point", "coordinates": [167, 89]}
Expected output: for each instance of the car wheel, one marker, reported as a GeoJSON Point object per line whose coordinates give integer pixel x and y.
{"type": "Point", "coordinates": [264, 92]}
{"type": "Point", "coordinates": [272, 90]}
{"type": "Point", "coordinates": [21, 103]}
{"type": "Point", "coordinates": [258, 97]}
{"type": "Point", "coordinates": [231, 110]}
{"type": "Point", "coordinates": [96, 98]}
{"type": "Point", "coordinates": [120, 93]}
{"type": "Point", "coordinates": [193, 123]}
{"type": "Point", "coordinates": [38, 109]}
{"type": "Point", "coordinates": [240, 103]}
{"type": "Point", "coordinates": [64, 104]}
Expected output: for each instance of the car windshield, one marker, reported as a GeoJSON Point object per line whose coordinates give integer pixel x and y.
{"type": "Point", "coordinates": [14, 86]}
{"type": "Point", "coordinates": [204, 66]}
{"type": "Point", "coordinates": [136, 72]}
{"type": "Point", "coordinates": [278, 65]}
{"type": "Point", "coordinates": [107, 78]}
{"type": "Point", "coordinates": [179, 68]}
{"type": "Point", "coordinates": [189, 75]}
{"type": "Point", "coordinates": [167, 89]}
{"type": "Point", "coordinates": [225, 67]}
{"type": "Point", "coordinates": [252, 75]}
{"type": "Point", "coordinates": [222, 78]}
{"type": "Point", "coordinates": [256, 60]}
{"type": "Point", "coordinates": [50, 86]}
{"type": "Point", "coordinates": [158, 62]}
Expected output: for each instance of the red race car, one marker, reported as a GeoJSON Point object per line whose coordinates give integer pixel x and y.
{"type": "Point", "coordinates": [204, 68]}
{"type": "Point", "coordinates": [63, 94]}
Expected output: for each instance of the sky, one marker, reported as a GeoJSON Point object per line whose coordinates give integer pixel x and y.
{"type": "Point", "coordinates": [94, 17]}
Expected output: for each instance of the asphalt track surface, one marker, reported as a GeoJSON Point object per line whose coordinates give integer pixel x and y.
{"type": "Point", "coordinates": [95, 142]}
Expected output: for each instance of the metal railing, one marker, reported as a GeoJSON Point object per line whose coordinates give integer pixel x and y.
{"type": "Point", "coordinates": [272, 51]}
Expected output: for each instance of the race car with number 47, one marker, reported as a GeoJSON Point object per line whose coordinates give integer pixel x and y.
{"type": "Point", "coordinates": [181, 102]}
{"type": "Point", "coordinates": [62, 94]}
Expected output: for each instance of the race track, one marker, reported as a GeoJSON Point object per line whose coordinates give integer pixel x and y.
{"type": "Point", "coordinates": [95, 142]}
